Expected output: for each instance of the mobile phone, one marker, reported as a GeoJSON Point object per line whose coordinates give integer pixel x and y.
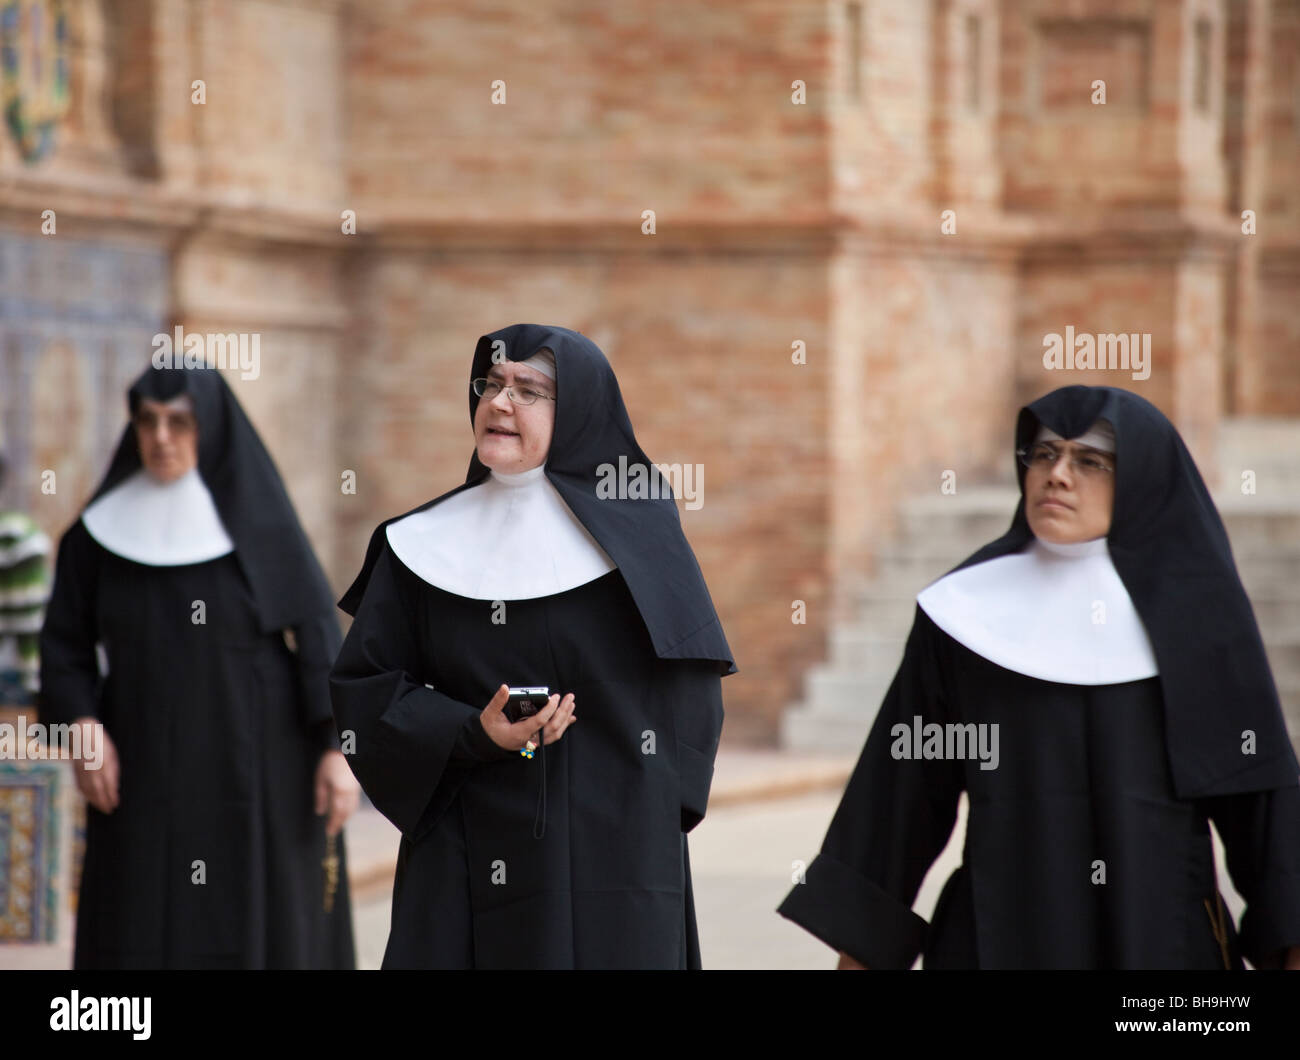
{"type": "Point", "coordinates": [525, 701]}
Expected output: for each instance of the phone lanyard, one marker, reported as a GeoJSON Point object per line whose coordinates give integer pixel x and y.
{"type": "Point", "coordinates": [539, 819]}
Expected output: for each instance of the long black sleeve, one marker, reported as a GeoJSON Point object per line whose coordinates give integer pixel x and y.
{"type": "Point", "coordinates": [316, 646]}
{"type": "Point", "coordinates": [69, 669]}
{"type": "Point", "coordinates": [697, 718]}
{"type": "Point", "coordinates": [1261, 839]}
{"type": "Point", "coordinates": [894, 820]}
{"type": "Point", "coordinates": [409, 745]}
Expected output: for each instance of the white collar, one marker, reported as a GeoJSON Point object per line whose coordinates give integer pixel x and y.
{"type": "Point", "coordinates": [520, 478]}
{"type": "Point", "coordinates": [159, 524]}
{"type": "Point", "coordinates": [511, 537]}
{"type": "Point", "coordinates": [1054, 612]}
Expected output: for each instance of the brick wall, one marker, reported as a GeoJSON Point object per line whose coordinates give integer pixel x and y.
{"type": "Point", "coordinates": [777, 223]}
{"type": "Point", "coordinates": [702, 349]}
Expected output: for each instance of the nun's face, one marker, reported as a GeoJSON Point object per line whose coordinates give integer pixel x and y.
{"type": "Point", "coordinates": [1070, 499]}
{"type": "Point", "coordinates": [513, 438]}
{"type": "Point", "coordinates": [168, 437]}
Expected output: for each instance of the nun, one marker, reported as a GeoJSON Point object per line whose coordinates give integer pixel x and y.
{"type": "Point", "coordinates": [190, 633]}
{"type": "Point", "coordinates": [1094, 680]}
{"type": "Point", "coordinates": [557, 840]}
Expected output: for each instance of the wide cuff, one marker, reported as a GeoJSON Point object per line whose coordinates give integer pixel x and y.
{"type": "Point", "coordinates": [474, 744]}
{"type": "Point", "coordinates": [696, 779]}
{"type": "Point", "coordinates": [412, 748]}
{"type": "Point", "coordinates": [324, 736]}
{"type": "Point", "coordinates": [1271, 923]}
{"type": "Point", "coordinates": [852, 914]}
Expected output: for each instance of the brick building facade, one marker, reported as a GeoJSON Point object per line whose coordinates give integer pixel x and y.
{"type": "Point", "coordinates": [798, 157]}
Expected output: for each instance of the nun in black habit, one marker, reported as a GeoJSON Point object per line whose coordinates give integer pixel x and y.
{"type": "Point", "coordinates": [565, 849]}
{"type": "Point", "coordinates": [1105, 656]}
{"type": "Point", "coordinates": [191, 632]}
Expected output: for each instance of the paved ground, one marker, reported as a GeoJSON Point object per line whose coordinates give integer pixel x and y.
{"type": "Point", "coordinates": [743, 864]}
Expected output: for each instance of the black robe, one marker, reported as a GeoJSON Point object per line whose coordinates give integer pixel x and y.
{"type": "Point", "coordinates": [607, 884]}
{"type": "Point", "coordinates": [218, 754]}
{"type": "Point", "coordinates": [1083, 777]}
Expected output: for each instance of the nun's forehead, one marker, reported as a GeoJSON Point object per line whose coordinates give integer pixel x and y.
{"type": "Point", "coordinates": [180, 403]}
{"type": "Point", "coordinates": [540, 367]}
{"type": "Point", "coordinates": [1101, 436]}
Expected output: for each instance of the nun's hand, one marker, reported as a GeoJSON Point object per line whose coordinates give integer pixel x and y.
{"type": "Point", "coordinates": [552, 720]}
{"type": "Point", "coordinates": [847, 963]}
{"type": "Point", "coordinates": [337, 791]}
{"type": "Point", "coordinates": [97, 770]}
{"type": "Point", "coordinates": [560, 720]}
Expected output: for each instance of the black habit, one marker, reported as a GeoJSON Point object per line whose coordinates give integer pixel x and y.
{"type": "Point", "coordinates": [1123, 777]}
{"type": "Point", "coordinates": [219, 725]}
{"type": "Point", "coordinates": [578, 858]}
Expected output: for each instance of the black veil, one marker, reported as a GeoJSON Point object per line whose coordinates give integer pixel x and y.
{"type": "Point", "coordinates": [277, 560]}
{"type": "Point", "coordinates": [1171, 550]}
{"type": "Point", "coordinates": [642, 536]}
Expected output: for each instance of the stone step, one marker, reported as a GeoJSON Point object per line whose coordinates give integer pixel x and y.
{"type": "Point", "coordinates": [877, 670]}
{"type": "Point", "coordinates": [1272, 613]}
{"type": "Point", "coordinates": [886, 616]}
{"type": "Point", "coordinates": [808, 730]}
{"type": "Point", "coordinates": [841, 691]}
{"type": "Point", "coordinates": [976, 516]}
{"type": "Point", "coordinates": [1279, 570]}
{"type": "Point", "coordinates": [1254, 528]}
{"type": "Point", "coordinates": [860, 645]}
{"type": "Point", "coordinates": [1281, 487]}
{"type": "Point", "coordinates": [1283, 653]}
{"type": "Point", "coordinates": [906, 574]}
{"type": "Point", "coordinates": [1269, 447]}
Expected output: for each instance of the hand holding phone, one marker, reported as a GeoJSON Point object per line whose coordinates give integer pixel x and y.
{"type": "Point", "coordinates": [542, 719]}
{"type": "Point", "coordinates": [525, 701]}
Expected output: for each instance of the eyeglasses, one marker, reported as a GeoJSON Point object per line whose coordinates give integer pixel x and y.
{"type": "Point", "coordinates": [1044, 457]}
{"type": "Point", "coordinates": [520, 395]}
{"type": "Point", "coordinates": [176, 422]}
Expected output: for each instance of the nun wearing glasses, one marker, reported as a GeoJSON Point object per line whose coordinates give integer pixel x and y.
{"type": "Point", "coordinates": [557, 840]}
{"type": "Point", "coordinates": [1094, 680]}
{"type": "Point", "coordinates": [190, 634]}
